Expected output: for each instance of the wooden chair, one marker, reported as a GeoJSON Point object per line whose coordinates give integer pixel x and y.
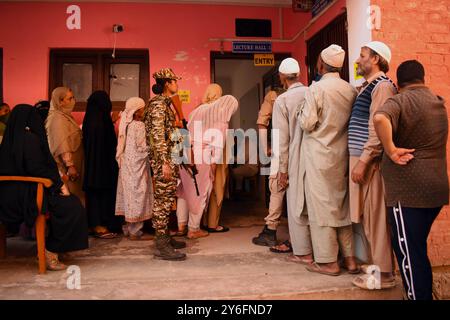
{"type": "Point", "coordinates": [40, 220]}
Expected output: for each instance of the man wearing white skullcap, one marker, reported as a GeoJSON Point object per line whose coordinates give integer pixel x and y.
{"type": "Point", "coordinates": [324, 116]}
{"type": "Point", "coordinates": [367, 203]}
{"type": "Point", "coordinates": [285, 169]}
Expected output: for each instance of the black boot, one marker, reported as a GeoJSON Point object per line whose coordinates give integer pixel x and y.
{"type": "Point", "coordinates": [266, 238]}
{"type": "Point", "coordinates": [177, 244]}
{"type": "Point", "coordinates": [165, 251]}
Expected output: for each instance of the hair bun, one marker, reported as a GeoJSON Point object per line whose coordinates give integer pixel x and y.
{"type": "Point", "coordinates": [157, 88]}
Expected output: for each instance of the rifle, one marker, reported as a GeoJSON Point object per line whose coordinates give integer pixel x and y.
{"type": "Point", "coordinates": [176, 102]}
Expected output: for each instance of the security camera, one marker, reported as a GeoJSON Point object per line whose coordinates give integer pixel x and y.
{"type": "Point", "coordinates": [117, 28]}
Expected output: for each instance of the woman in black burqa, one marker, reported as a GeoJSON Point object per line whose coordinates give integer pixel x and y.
{"type": "Point", "coordinates": [101, 169]}
{"type": "Point", "coordinates": [25, 152]}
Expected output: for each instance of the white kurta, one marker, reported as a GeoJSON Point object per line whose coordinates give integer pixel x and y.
{"type": "Point", "coordinates": [284, 119]}
{"type": "Point", "coordinates": [211, 116]}
{"type": "Point", "coordinates": [134, 188]}
{"type": "Point", "coordinates": [324, 158]}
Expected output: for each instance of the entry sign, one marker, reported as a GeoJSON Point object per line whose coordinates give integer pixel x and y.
{"type": "Point", "coordinates": [252, 47]}
{"type": "Point", "coordinates": [264, 60]}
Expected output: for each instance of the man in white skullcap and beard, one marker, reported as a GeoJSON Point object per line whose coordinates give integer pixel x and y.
{"type": "Point", "coordinates": [284, 170]}
{"type": "Point", "coordinates": [324, 117]}
{"type": "Point", "coordinates": [367, 203]}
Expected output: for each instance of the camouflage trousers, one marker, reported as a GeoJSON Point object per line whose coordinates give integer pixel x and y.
{"type": "Point", "coordinates": [164, 197]}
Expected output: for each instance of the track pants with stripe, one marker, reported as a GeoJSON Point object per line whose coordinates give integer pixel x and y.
{"type": "Point", "coordinates": [410, 228]}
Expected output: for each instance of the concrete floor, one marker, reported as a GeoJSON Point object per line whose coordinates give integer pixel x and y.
{"type": "Point", "coordinates": [220, 266]}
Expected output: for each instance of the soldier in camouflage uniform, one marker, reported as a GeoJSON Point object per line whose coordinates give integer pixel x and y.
{"type": "Point", "coordinates": [159, 122]}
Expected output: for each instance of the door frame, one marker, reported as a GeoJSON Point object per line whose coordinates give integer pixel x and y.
{"type": "Point", "coordinates": [228, 55]}
{"type": "Point", "coordinates": [2, 98]}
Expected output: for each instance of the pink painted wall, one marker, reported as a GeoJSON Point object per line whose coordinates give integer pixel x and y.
{"type": "Point", "coordinates": [33, 28]}
{"type": "Point", "coordinates": [165, 29]}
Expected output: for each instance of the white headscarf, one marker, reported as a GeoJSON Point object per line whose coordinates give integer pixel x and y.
{"type": "Point", "coordinates": [213, 92]}
{"type": "Point", "coordinates": [131, 106]}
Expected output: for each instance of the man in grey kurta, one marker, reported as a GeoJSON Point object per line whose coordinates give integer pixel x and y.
{"type": "Point", "coordinates": [284, 120]}
{"type": "Point", "coordinates": [324, 117]}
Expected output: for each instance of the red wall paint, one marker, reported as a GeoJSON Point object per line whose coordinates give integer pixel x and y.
{"type": "Point", "coordinates": [33, 28]}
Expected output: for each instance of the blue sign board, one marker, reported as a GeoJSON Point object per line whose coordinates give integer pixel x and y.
{"type": "Point", "coordinates": [252, 47]}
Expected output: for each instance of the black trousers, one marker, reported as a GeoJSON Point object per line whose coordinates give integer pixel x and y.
{"type": "Point", "coordinates": [410, 228]}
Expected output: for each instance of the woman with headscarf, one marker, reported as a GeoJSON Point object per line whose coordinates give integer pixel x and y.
{"type": "Point", "coordinates": [213, 114]}
{"type": "Point", "coordinates": [101, 170]}
{"type": "Point", "coordinates": [25, 152]}
{"type": "Point", "coordinates": [134, 188]}
{"type": "Point", "coordinates": [65, 139]}
{"type": "Point", "coordinates": [43, 108]}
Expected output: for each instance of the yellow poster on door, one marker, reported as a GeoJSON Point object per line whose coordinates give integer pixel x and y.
{"type": "Point", "coordinates": [357, 77]}
{"type": "Point", "coordinates": [185, 96]}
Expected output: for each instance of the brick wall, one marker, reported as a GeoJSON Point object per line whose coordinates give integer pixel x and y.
{"type": "Point", "coordinates": [420, 29]}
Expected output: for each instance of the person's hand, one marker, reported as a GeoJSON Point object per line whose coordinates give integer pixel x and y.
{"type": "Point", "coordinates": [64, 191]}
{"type": "Point", "coordinates": [283, 180]}
{"type": "Point", "coordinates": [401, 156]}
{"type": "Point", "coordinates": [72, 173]}
{"type": "Point", "coordinates": [167, 172]}
{"type": "Point", "coordinates": [359, 172]}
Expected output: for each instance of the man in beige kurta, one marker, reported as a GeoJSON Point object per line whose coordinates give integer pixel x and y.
{"type": "Point", "coordinates": [324, 117]}
{"type": "Point", "coordinates": [367, 203]}
{"type": "Point", "coordinates": [268, 236]}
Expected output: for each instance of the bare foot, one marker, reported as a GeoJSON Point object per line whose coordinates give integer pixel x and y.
{"type": "Point", "coordinates": [351, 265]}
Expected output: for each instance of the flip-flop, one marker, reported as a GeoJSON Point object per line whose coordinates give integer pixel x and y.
{"type": "Point", "coordinates": [287, 243]}
{"type": "Point", "coordinates": [214, 230]}
{"type": "Point", "coordinates": [179, 233]}
{"type": "Point", "coordinates": [364, 280]}
{"type": "Point", "coordinates": [297, 259]}
{"type": "Point", "coordinates": [314, 267]}
{"type": "Point", "coordinates": [105, 235]}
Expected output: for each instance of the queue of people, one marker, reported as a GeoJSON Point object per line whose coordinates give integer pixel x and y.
{"type": "Point", "coordinates": [374, 155]}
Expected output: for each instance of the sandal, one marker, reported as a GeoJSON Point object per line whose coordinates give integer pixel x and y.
{"type": "Point", "coordinates": [287, 244]}
{"type": "Point", "coordinates": [298, 259]}
{"type": "Point", "coordinates": [197, 234]}
{"type": "Point", "coordinates": [53, 263]}
{"type": "Point", "coordinates": [142, 237]}
{"type": "Point", "coordinates": [366, 279]}
{"type": "Point", "coordinates": [315, 267]}
{"type": "Point", "coordinates": [179, 233]}
{"type": "Point", "coordinates": [218, 229]}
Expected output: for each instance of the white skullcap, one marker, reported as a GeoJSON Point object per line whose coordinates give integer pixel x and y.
{"type": "Point", "coordinates": [381, 49]}
{"type": "Point", "coordinates": [333, 56]}
{"type": "Point", "coordinates": [289, 66]}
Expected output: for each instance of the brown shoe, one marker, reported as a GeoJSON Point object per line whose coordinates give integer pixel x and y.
{"type": "Point", "coordinates": [197, 234]}
{"type": "Point", "coordinates": [142, 237]}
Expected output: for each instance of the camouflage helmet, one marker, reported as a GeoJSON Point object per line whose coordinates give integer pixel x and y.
{"type": "Point", "coordinates": [165, 73]}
